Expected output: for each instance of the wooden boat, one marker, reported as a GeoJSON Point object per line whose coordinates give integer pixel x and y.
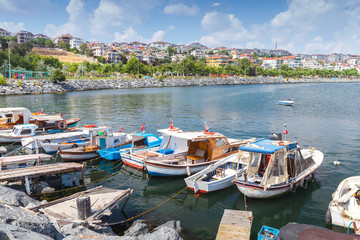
{"type": "Point", "coordinates": [54, 147]}
{"type": "Point", "coordinates": [286, 102]}
{"type": "Point", "coordinates": [17, 133]}
{"type": "Point", "coordinates": [344, 209]}
{"type": "Point", "coordinates": [9, 117]}
{"type": "Point", "coordinates": [46, 122]}
{"type": "Point", "coordinates": [204, 148]}
{"type": "Point", "coordinates": [277, 167]}
{"type": "Point", "coordinates": [100, 138]}
{"type": "Point", "coordinates": [218, 175]}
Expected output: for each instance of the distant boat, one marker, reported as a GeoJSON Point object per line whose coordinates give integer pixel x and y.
{"type": "Point", "coordinates": [286, 102]}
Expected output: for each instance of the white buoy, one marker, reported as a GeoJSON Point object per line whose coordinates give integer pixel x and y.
{"type": "Point", "coordinates": [336, 162]}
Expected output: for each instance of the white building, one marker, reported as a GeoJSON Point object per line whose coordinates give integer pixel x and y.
{"type": "Point", "coordinates": [272, 63]}
{"type": "Point", "coordinates": [4, 33]}
{"type": "Point", "coordinates": [292, 61]}
{"type": "Point", "coordinates": [75, 42]}
{"type": "Point", "coordinates": [160, 45]}
{"type": "Point", "coordinates": [100, 50]}
{"type": "Point", "coordinates": [24, 36]}
{"type": "Point", "coordinates": [311, 63]}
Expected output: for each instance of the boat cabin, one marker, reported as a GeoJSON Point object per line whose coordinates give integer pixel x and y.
{"type": "Point", "coordinates": [9, 117]}
{"type": "Point", "coordinates": [24, 130]}
{"type": "Point", "coordinates": [274, 162]}
{"type": "Point", "coordinates": [145, 140]}
{"type": "Point", "coordinates": [103, 137]}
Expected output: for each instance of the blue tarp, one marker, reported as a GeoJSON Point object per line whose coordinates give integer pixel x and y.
{"type": "Point", "coordinates": [265, 146]}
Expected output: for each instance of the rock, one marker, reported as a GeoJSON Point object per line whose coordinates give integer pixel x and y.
{"type": "Point", "coordinates": [10, 232]}
{"type": "Point", "coordinates": [171, 224]}
{"type": "Point", "coordinates": [163, 233]}
{"type": "Point", "coordinates": [136, 229]}
{"type": "Point", "coordinates": [14, 197]}
{"type": "Point", "coordinates": [41, 187]}
{"type": "Point", "coordinates": [78, 231]}
{"type": "Point", "coordinates": [24, 219]}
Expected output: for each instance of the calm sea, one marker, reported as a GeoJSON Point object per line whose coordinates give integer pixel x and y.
{"type": "Point", "coordinates": [325, 116]}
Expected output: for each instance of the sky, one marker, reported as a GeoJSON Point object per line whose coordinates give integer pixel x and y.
{"type": "Point", "coordinates": [299, 26]}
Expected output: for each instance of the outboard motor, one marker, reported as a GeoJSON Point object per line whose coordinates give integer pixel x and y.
{"type": "Point", "coordinates": [276, 136]}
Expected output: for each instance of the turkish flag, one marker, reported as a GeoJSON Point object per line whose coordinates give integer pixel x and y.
{"type": "Point", "coordinates": [285, 132]}
{"type": "Point", "coordinates": [143, 127]}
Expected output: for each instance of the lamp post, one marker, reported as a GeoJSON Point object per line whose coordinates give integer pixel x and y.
{"type": "Point", "coordinates": [9, 60]}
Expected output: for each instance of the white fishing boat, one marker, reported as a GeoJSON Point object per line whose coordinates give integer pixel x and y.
{"type": "Point", "coordinates": [54, 147]}
{"type": "Point", "coordinates": [204, 148]}
{"type": "Point", "coordinates": [277, 167]}
{"type": "Point", "coordinates": [218, 175]}
{"type": "Point", "coordinates": [9, 117]}
{"type": "Point", "coordinates": [100, 138]}
{"type": "Point", "coordinates": [344, 209]}
{"type": "Point", "coordinates": [17, 133]}
{"type": "Point", "coordinates": [286, 102]}
{"type": "Point", "coordinates": [35, 141]}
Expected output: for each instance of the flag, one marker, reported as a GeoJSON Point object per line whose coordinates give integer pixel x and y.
{"type": "Point", "coordinates": [143, 127]}
{"type": "Point", "coordinates": [285, 132]}
{"type": "Point", "coordinates": [61, 114]}
{"type": "Point", "coordinates": [206, 128]}
{"type": "Point", "coordinates": [121, 128]}
{"type": "Point", "coordinates": [53, 113]}
{"type": "Point", "coordinates": [41, 111]}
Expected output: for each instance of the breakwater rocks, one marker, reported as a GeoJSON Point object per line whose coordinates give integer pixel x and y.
{"type": "Point", "coordinates": [14, 87]}
{"type": "Point", "coordinates": [16, 222]}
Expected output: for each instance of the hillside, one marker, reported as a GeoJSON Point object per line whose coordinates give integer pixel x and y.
{"type": "Point", "coordinates": [62, 55]}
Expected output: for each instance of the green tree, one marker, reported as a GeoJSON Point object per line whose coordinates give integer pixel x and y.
{"type": "Point", "coordinates": [171, 51]}
{"type": "Point", "coordinates": [64, 46]}
{"type": "Point", "coordinates": [83, 47]}
{"type": "Point", "coordinates": [101, 59]}
{"type": "Point", "coordinates": [49, 43]}
{"type": "Point", "coordinates": [58, 76]}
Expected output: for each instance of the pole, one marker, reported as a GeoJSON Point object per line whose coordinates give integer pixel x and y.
{"type": "Point", "coordinates": [9, 60]}
{"type": "Point", "coordinates": [138, 68]}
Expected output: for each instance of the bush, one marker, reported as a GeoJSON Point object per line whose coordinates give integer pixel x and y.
{"type": "Point", "coordinates": [2, 80]}
{"type": "Point", "coordinates": [161, 78]}
{"type": "Point", "coordinates": [19, 83]}
{"type": "Point", "coordinates": [58, 76]}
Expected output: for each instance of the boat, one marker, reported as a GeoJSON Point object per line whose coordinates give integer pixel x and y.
{"type": "Point", "coordinates": [286, 102]}
{"type": "Point", "coordinates": [344, 209]}
{"type": "Point", "coordinates": [100, 138]}
{"type": "Point", "coordinates": [218, 175]}
{"type": "Point", "coordinates": [46, 122]}
{"type": "Point", "coordinates": [54, 147]}
{"type": "Point", "coordinates": [17, 133]}
{"type": "Point", "coordinates": [204, 149]}
{"type": "Point", "coordinates": [35, 141]}
{"type": "Point", "coordinates": [139, 141]}
{"type": "Point", "coordinates": [9, 117]}
{"type": "Point", "coordinates": [276, 167]}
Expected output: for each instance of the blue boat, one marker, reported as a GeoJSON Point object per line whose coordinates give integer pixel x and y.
{"type": "Point", "coordinates": [286, 102]}
{"type": "Point", "coordinates": [140, 141]}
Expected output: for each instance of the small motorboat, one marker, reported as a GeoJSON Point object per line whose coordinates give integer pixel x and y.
{"type": "Point", "coordinates": [344, 209]}
{"type": "Point", "coordinates": [286, 102]}
{"type": "Point", "coordinates": [218, 175]}
{"type": "Point", "coordinates": [276, 167]}
{"type": "Point", "coordinates": [54, 147]}
{"type": "Point", "coordinates": [17, 133]}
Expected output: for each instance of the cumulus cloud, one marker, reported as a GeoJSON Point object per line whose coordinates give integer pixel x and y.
{"type": "Point", "coordinates": [12, 27]}
{"type": "Point", "coordinates": [216, 4]}
{"type": "Point", "coordinates": [130, 35]}
{"type": "Point", "coordinates": [306, 26]}
{"type": "Point", "coordinates": [181, 9]}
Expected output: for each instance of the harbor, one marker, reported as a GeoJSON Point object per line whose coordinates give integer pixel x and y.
{"type": "Point", "coordinates": [248, 111]}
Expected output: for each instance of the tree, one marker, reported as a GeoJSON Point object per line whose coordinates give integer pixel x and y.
{"type": "Point", "coordinates": [83, 48]}
{"type": "Point", "coordinates": [64, 46]}
{"type": "Point", "coordinates": [132, 66]}
{"type": "Point", "coordinates": [101, 59]}
{"type": "Point", "coordinates": [49, 43]}
{"type": "Point", "coordinates": [171, 51]}
{"type": "Point", "coordinates": [58, 76]}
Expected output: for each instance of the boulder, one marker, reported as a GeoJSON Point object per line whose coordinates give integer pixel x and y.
{"type": "Point", "coordinates": [16, 198]}
{"type": "Point", "coordinates": [10, 232]}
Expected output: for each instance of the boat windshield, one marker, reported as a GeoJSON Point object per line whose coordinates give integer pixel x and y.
{"type": "Point", "coordinates": [15, 131]}
{"type": "Point", "coordinates": [255, 162]}
{"type": "Point", "coordinates": [276, 170]}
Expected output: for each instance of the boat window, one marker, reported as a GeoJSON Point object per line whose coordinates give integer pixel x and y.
{"type": "Point", "coordinates": [276, 173]}
{"type": "Point", "coordinates": [152, 139]}
{"type": "Point", "coordinates": [226, 150]}
{"type": "Point", "coordinates": [16, 131]}
{"type": "Point", "coordinates": [233, 149]}
{"type": "Point", "coordinates": [220, 142]}
{"type": "Point", "coordinates": [255, 161]}
{"type": "Point", "coordinates": [25, 132]}
{"type": "Point", "coordinates": [116, 141]}
{"type": "Point", "coordinates": [301, 163]}
{"type": "Point", "coordinates": [8, 115]}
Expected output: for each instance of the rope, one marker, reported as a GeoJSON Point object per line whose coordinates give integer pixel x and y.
{"type": "Point", "coordinates": [82, 185]}
{"type": "Point", "coordinates": [129, 219]}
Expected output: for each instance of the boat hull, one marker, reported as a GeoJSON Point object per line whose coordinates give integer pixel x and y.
{"type": "Point", "coordinates": [54, 147]}
{"type": "Point", "coordinates": [205, 187]}
{"type": "Point", "coordinates": [132, 161]}
{"type": "Point", "coordinates": [72, 156]}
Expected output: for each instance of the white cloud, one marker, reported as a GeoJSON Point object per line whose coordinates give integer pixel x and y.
{"type": "Point", "coordinates": [181, 9]}
{"type": "Point", "coordinates": [171, 28]}
{"type": "Point", "coordinates": [130, 35]}
{"type": "Point", "coordinates": [22, 6]}
{"type": "Point", "coordinates": [216, 4]}
{"type": "Point", "coordinates": [12, 27]}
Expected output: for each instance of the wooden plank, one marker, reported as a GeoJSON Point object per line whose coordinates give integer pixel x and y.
{"type": "Point", "coordinates": [23, 159]}
{"type": "Point", "coordinates": [36, 171]}
{"type": "Point", "coordinates": [235, 224]}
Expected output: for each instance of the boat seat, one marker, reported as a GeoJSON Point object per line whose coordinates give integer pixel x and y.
{"type": "Point", "coordinates": [199, 156]}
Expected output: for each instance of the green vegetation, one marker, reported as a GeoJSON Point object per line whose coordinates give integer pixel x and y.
{"type": "Point", "coordinates": [2, 80]}
{"type": "Point", "coordinates": [58, 76]}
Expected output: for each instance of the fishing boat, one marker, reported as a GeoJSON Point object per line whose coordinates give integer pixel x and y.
{"type": "Point", "coordinates": [286, 102]}
{"type": "Point", "coordinates": [9, 117]}
{"type": "Point", "coordinates": [46, 122]}
{"type": "Point", "coordinates": [344, 209]}
{"type": "Point", "coordinates": [276, 167]}
{"type": "Point", "coordinates": [204, 148]}
{"type": "Point", "coordinates": [218, 175]}
{"type": "Point", "coordinates": [17, 133]}
{"type": "Point", "coordinates": [100, 138]}
{"type": "Point", "coordinates": [54, 147]}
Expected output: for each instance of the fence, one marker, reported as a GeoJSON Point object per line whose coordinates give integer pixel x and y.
{"type": "Point", "coordinates": [24, 74]}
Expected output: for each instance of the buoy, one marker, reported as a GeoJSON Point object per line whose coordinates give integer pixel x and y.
{"type": "Point", "coordinates": [336, 162]}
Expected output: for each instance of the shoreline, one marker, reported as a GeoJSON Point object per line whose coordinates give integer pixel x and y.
{"type": "Point", "coordinates": [45, 86]}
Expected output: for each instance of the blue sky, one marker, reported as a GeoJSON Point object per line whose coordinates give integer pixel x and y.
{"type": "Point", "coordinates": [299, 26]}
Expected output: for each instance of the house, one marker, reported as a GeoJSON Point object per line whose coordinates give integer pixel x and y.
{"type": "Point", "coordinates": [292, 61]}
{"type": "Point", "coordinates": [75, 42]}
{"type": "Point", "coordinates": [100, 50]}
{"type": "Point", "coordinates": [198, 53]}
{"type": "Point", "coordinates": [319, 56]}
{"type": "Point", "coordinates": [160, 45]}
{"type": "Point", "coordinates": [4, 33]}
{"type": "Point", "coordinates": [37, 36]}
{"type": "Point", "coordinates": [112, 56]}
{"type": "Point", "coordinates": [272, 63]}
{"type": "Point", "coordinates": [63, 38]}
{"type": "Point", "coordinates": [24, 36]}
{"type": "Point", "coordinates": [217, 60]}
{"type": "Point", "coordinates": [311, 63]}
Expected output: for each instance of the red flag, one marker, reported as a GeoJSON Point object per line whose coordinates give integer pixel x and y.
{"type": "Point", "coordinates": [41, 111]}
{"type": "Point", "coordinates": [53, 113]}
{"type": "Point", "coordinates": [285, 132]}
{"type": "Point", "coordinates": [61, 114]}
{"type": "Point", "coordinates": [143, 127]}
{"type": "Point", "coordinates": [121, 128]}
{"type": "Point", "coordinates": [206, 128]}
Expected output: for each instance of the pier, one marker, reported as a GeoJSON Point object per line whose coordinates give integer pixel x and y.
{"type": "Point", "coordinates": [25, 174]}
{"type": "Point", "coordinates": [24, 159]}
{"type": "Point", "coordinates": [235, 224]}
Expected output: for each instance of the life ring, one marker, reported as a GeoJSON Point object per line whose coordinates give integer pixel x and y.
{"type": "Point", "coordinates": [293, 187]}
{"type": "Point", "coordinates": [312, 177]}
{"type": "Point", "coordinates": [303, 183]}
{"type": "Point", "coordinates": [207, 132]}
{"type": "Point", "coordinates": [90, 126]}
{"type": "Point", "coordinates": [280, 143]}
{"type": "Point", "coordinates": [62, 125]}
